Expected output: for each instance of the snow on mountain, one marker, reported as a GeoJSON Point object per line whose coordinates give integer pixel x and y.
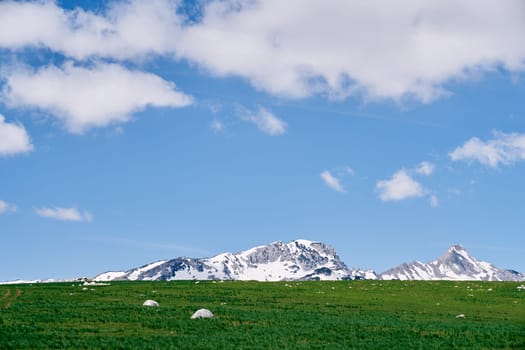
{"type": "Point", "coordinates": [455, 264]}
{"type": "Point", "coordinates": [110, 276]}
{"type": "Point", "coordinates": [303, 260]}
{"type": "Point", "coordinates": [297, 260]}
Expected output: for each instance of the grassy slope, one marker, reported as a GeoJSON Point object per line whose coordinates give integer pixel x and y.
{"type": "Point", "coordinates": [252, 315]}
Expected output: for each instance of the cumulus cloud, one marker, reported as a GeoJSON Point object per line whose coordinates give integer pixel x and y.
{"type": "Point", "coordinates": [332, 181]}
{"type": "Point", "coordinates": [292, 48]}
{"type": "Point", "coordinates": [14, 139]}
{"type": "Point", "coordinates": [340, 48]}
{"type": "Point", "coordinates": [7, 207]}
{"type": "Point", "coordinates": [503, 148]}
{"type": "Point", "coordinates": [87, 97]}
{"type": "Point", "coordinates": [400, 186]}
{"type": "Point", "coordinates": [64, 214]}
{"type": "Point", "coordinates": [265, 120]}
{"type": "Point", "coordinates": [425, 168]}
{"type": "Point", "coordinates": [403, 186]}
{"type": "Point", "coordinates": [127, 29]}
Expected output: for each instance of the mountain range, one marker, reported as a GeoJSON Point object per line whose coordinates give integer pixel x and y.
{"type": "Point", "coordinates": [307, 260]}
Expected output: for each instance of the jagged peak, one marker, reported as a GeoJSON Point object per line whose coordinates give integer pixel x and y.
{"type": "Point", "coordinates": [304, 242]}
{"type": "Point", "coordinates": [456, 252]}
{"type": "Point", "coordinates": [296, 243]}
{"type": "Point", "coordinates": [457, 248]}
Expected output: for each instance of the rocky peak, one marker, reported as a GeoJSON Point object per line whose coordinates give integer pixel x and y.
{"type": "Point", "coordinates": [455, 264]}
{"type": "Point", "coordinates": [457, 248]}
{"type": "Point", "coordinates": [296, 260]}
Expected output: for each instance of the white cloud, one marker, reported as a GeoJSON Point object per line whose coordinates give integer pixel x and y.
{"type": "Point", "coordinates": [292, 48]}
{"type": "Point", "coordinates": [84, 98]}
{"type": "Point", "coordinates": [400, 186]}
{"type": "Point", "coordinates": [264, 119]}
{"type": "Point", "coordinates": [64, 214]}
{"type": "Point", "coordinates": [504, 148]}
{"type": "Point", "coordinates": [332, 181]}
{"type": "Point", "coordinates": [128, 29]}
{"type": "Point", "coordinates": [14, 139]}
{"type": "Point", "coordinates": [6, 207]}
{"type": "Point", "coordinates": [341, 48]}
{"type": "Point", "coordinates": [425, 168]}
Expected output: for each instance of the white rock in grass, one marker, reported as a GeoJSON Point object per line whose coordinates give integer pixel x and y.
{"type": "Point", "coordinates": [202, 313]}
{"type": "Point", "coordinates": [150, 303]}
{"type": "Point", "coordinates": [460, 316]}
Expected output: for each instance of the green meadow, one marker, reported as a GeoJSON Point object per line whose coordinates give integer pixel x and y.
{"type": "Point", "coordinates": [264, 315]}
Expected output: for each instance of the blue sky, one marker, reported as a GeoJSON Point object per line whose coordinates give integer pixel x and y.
{"type": "Point", "coordinates": [142, 130]}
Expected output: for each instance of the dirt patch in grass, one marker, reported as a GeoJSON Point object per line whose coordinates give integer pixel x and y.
{"type": "Point", "coordinates": [7, 294]}
{"type": "Point", "coordinates": [10, 302]}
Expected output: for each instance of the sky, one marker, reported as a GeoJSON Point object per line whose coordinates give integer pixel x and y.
{"type": "Point", "coordinates": [134, 131]}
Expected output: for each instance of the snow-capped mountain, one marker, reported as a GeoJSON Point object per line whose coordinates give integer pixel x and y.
{"type": "Point", "coordinates": [297, 260]}
{"type": "Point", "coordinates": [455, 264]}
{"type": "Point", "coordinates": [304, 260]}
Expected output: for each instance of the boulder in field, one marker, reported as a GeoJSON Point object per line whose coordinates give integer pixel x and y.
{"type": "Point", "coordinates": [150, 303]}
{"type": "Point", "coordinates": [202, 313]}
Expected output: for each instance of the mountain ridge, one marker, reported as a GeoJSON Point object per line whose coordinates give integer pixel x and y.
{"type": "Point", "coordinates": [297, 260]}
{"type": "Point", "coordinates": [455, 264]}
{"type": "Point", "coordinates": [302, 260]}
{"type": "Point", "coordinates": [309, 260]}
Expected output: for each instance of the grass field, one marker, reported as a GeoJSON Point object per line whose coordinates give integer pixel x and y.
{"type": "Point", "coordinates": [263, 315]}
